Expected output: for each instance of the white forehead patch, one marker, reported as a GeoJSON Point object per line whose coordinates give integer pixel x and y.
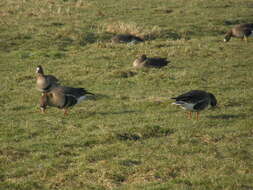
{"type": "Point", "coordinates": [37, 69]}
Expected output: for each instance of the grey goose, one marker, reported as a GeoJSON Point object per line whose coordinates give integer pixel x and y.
{"type": "Point", "coordinates": [144, 61]}
{"type": "Point", "coordinates": [242, 31]}
{"type": "Point", "coordinates": [195, 101]}
{"type": "Point", "coordinates": [63, 97]}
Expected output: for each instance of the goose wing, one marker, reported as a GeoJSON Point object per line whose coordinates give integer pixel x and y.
{"type": "Point", "coordinates": [52, 79]}
{"type": "Point", "coordinates": [193, 96]}
{"type": "Point", "coordinates": [157, 62]}
{"type": "Point", "coordinates": [74, 92]}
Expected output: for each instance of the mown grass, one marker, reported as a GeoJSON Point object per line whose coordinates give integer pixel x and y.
{"type": "Point", "coordinates": [129, 136]}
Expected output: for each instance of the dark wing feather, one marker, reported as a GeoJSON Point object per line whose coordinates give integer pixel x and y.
{"type": "Point", "coordinates": [192, 96]}
{"type": "Point", "coordinates": [137, 39]}
{"type": "Point", "coordinates": [76, 92]}
{"type": "Point", "coordinates": [247, 31]}
{"type": "Point", "coordinates": [121, 38]}
{"type": "Point", "coordinates": [125, 38]}
{"type": "Point", "coordinates": [52, 79]}
{"type": "Point", "coordinates": [157, 62]}
{"type": "Point", "coordinates": [69, 101]}
{"type": "Point", "coordinates": [201, 105]}
{"type": "Point", "coordinates": [246, 25]}
{"type": "Point", "coordinates": [72, 95]}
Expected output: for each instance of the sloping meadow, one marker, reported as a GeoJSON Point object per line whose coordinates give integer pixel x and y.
{"type": "Point", "coordinates": [128, 136]}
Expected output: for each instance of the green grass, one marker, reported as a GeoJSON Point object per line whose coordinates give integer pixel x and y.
{"type": "Point", "coordinates": [129, 136]}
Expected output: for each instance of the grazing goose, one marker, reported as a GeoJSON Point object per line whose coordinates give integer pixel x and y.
{"type": "Point", "coordinates": [242, 31]}
{"type": "Point", "coordinates": [44, 83]}
{"type": "Point", "coordinates": [144, 61]}
{"type": "Point", "coordinates": [62, 97]}
{"type": "Point", "coordinates": [126, 38]}
{"type": "Point", "coordinates": [195, 101]}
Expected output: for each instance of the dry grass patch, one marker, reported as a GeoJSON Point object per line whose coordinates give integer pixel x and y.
{"type": "Point", "coordinates": [131, 28]}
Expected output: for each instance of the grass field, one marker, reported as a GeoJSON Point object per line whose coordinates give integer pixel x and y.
{"type": "Point", "coordinates": [129, 136]}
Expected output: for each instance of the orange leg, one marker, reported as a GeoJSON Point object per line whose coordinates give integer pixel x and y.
{"type": "Point", "coordinates": [65, 111]}
{"type": "Point", "coordinates": [189, 115]}
{"type": "Point", "coordinates": [197, 115]}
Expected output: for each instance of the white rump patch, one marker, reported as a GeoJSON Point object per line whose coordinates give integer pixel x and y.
{"type": "Point", "coordinates": [184, 105]}
{"type": "Point", "coordinates": [225, 40]}
{"type": "Point", "coordinates": [81, 99]}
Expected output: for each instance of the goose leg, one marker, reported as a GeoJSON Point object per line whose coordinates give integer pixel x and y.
{"type": "Point", "coordinates": [189, 115]}
{"type": "Point", "coordinates": [197, 115]}
{"type": "Point", "coordinates": [65, 111]}
{"type": "Point", "coordinates": [245, 38]}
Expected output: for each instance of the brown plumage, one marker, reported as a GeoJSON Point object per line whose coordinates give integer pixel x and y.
{"type": "Point", "coordinates": [62, 97]}
{"type": "Point", "coordinates": [144, 61]}
{"type": "Point", "coordinates": [242, 31]}
{"type": "Point", "coordinates": [45, 83]}
{"type": "Point", "coordinates": [126, 38]}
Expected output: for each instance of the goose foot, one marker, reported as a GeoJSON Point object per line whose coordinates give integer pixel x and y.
{"type": "Point", "coordinates": [65, 112]}
{"type": "Point", "coordinates": [189, 115]}
{"type": "Point", "coordinates": [197, 115]}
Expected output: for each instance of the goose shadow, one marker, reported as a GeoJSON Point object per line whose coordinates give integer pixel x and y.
{"type": "Point", "coordinates": [228, 116]}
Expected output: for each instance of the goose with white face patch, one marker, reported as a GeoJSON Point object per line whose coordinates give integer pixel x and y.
{"type": "Point", "coordinates": [45, 83]}
{"type": "Point", "coordinates": [195, 101]}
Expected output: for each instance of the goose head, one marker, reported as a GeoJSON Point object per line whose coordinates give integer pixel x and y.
{"type": "Point", "coordinates": [227, 36]}
{"type": "Point", "coordinates": [39, 70]}
{"type": "Point", "coordinates": [213, 100]}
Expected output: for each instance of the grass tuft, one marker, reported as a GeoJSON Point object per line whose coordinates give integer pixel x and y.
{"type": "Point", "coordinates": [132, 28]}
